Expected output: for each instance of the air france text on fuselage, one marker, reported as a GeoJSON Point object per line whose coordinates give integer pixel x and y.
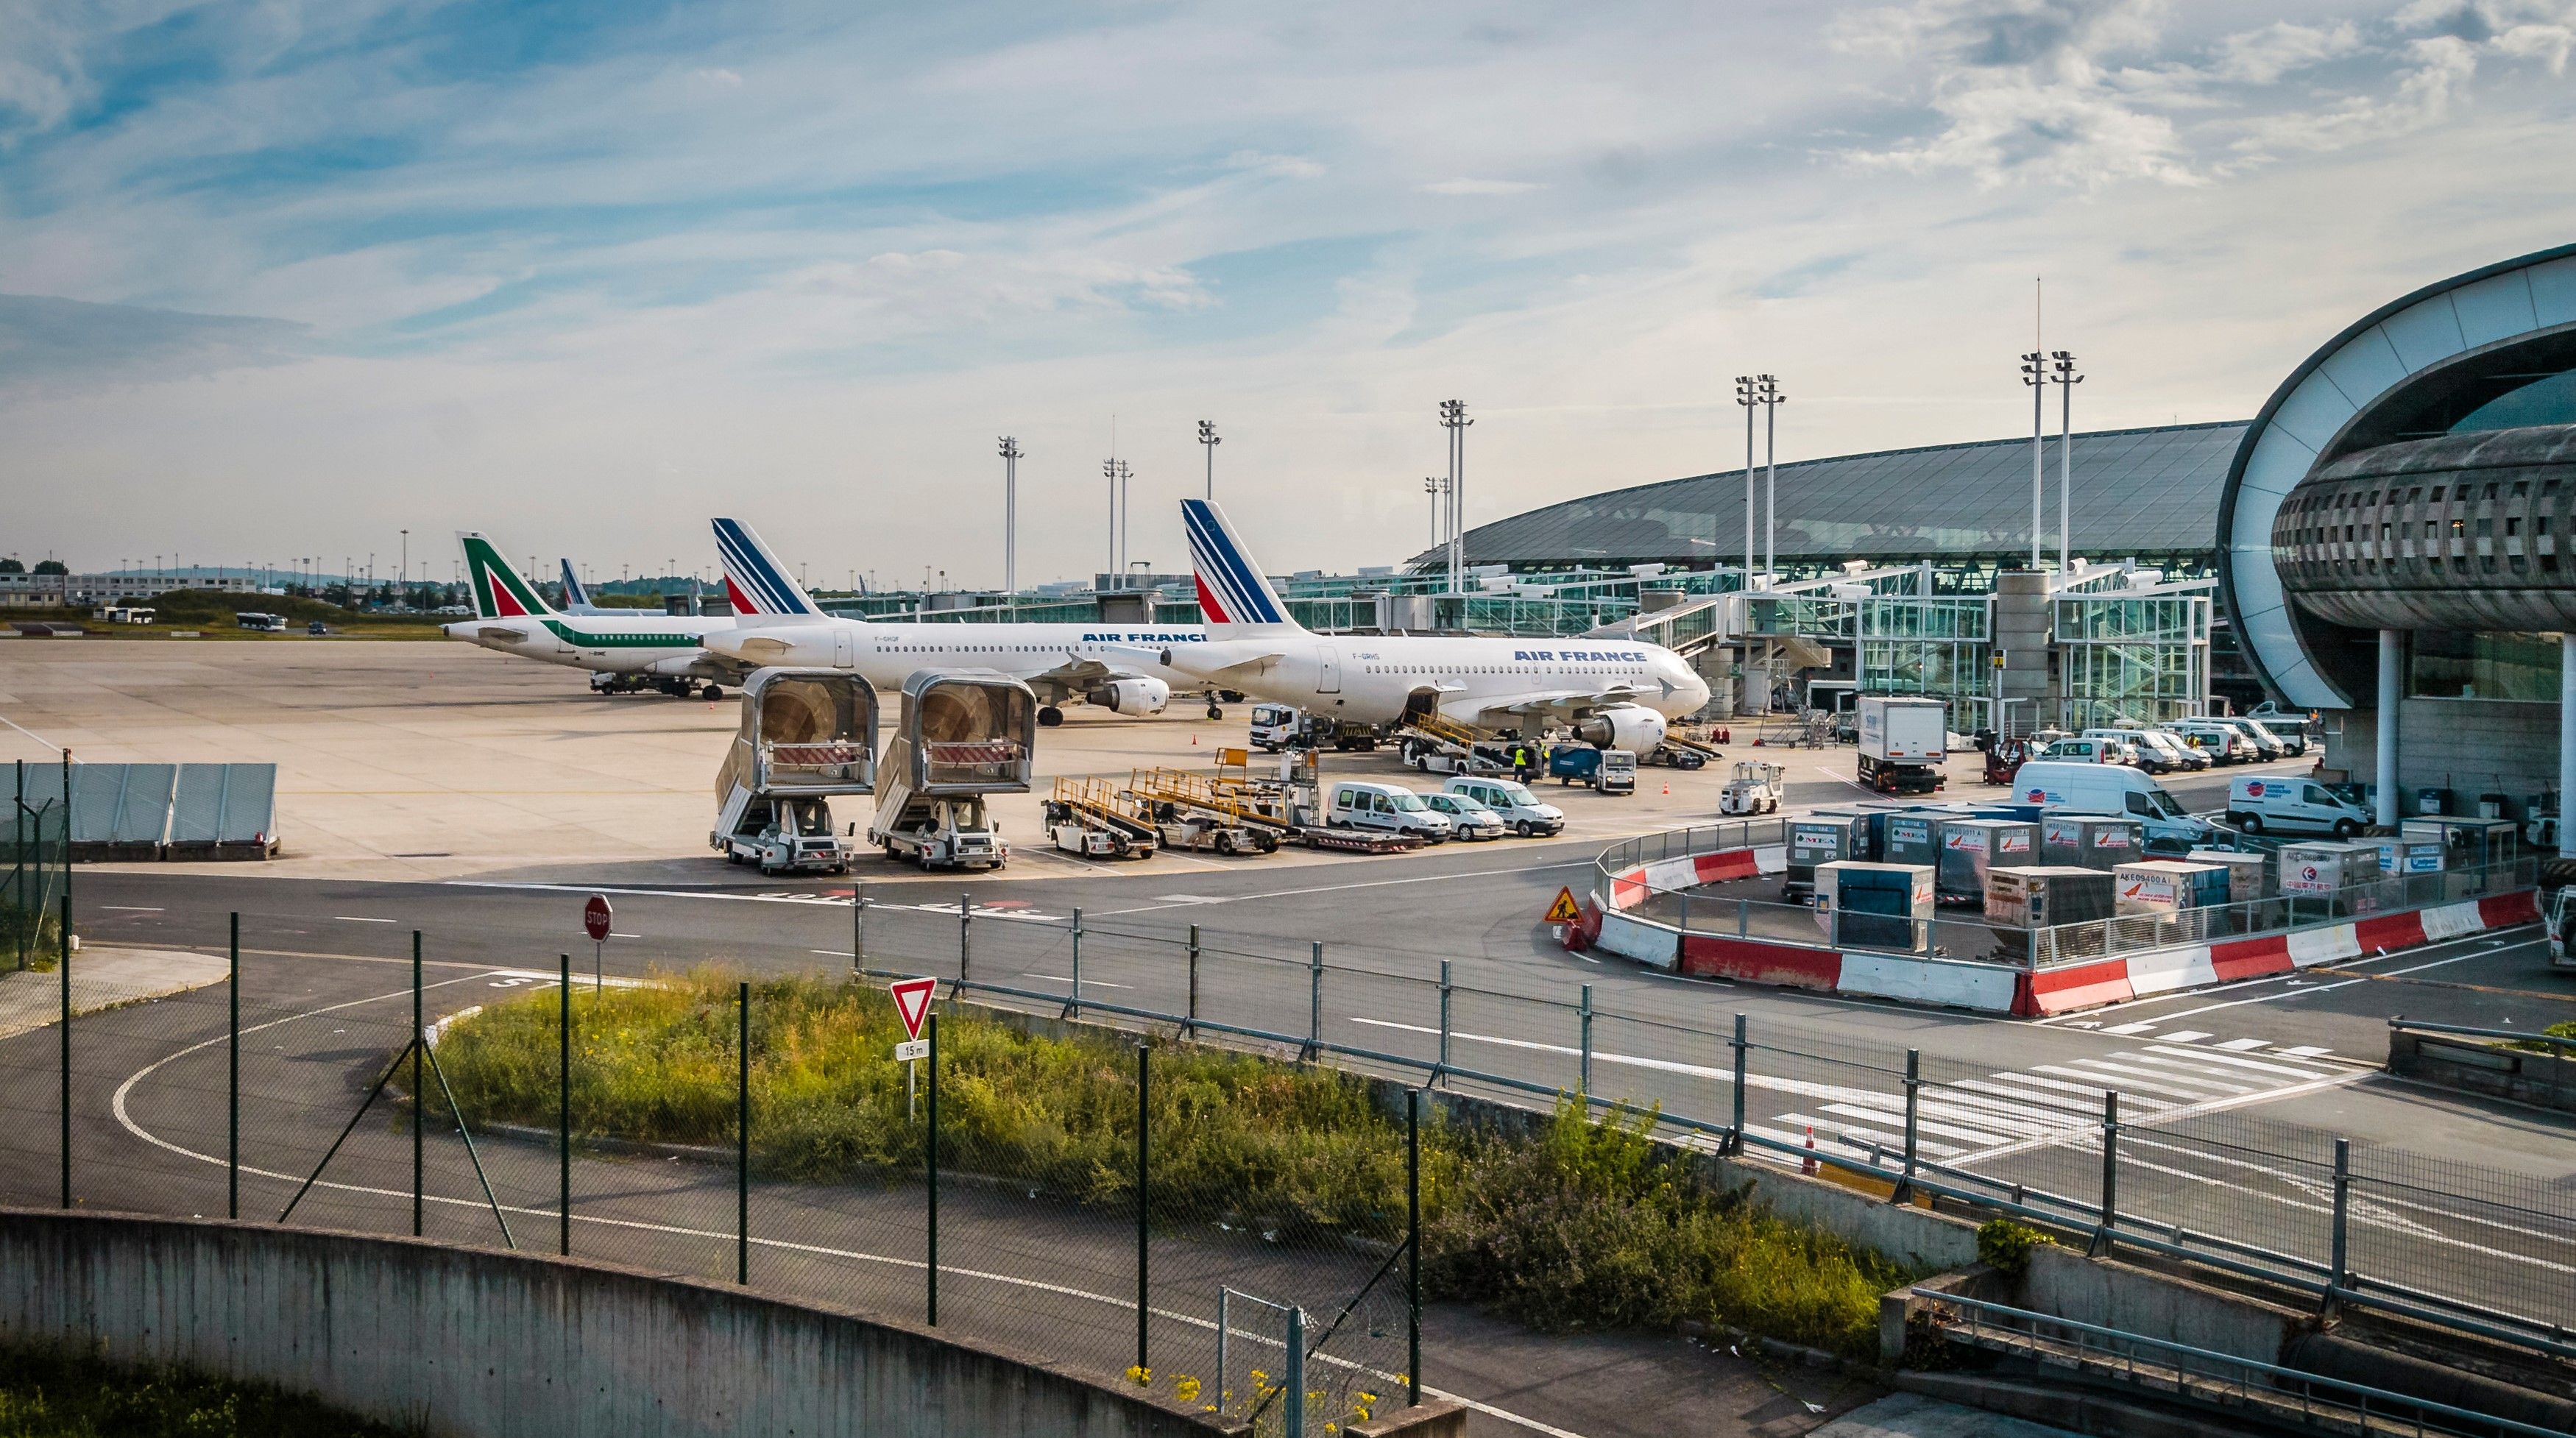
{"type": "Point", "coordinates": [1580, 656]}
{"type": "Point", "coordinates": [1152, 637]}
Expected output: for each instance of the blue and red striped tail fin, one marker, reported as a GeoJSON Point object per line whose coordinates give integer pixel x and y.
{"type": "Point", "coordinates": [757, 583]}
{"type": "Point", "coordinates": [1234, 597]}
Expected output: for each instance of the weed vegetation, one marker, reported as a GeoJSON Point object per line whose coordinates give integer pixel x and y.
{"type": "Point", "coordinates": [1587, 1224]}
{"type": "Point", "coordinates": [45, 1393]}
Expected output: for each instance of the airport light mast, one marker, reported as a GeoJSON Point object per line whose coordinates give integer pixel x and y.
{"type": "Point", "coordinates": [1435, 486]}
{"type": "Point", "coordinates": [1746, 395]}
{"type": "Point", "coordinates": [2034, 373]}
{"type": "Point", "coordinates": [1771, 399]}
{"type": "Point", "coordinates": [1208, 437]}
{"type": "Point", "coordinates": [1453, 418]}
{"type": "Point", "coordinates": [1011, 453]}
{"type": "Point", "coordinates": [2062, 374]}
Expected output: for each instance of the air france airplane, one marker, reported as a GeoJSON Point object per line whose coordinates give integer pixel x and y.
{"type": "Point", "coordinates": [576, 594]}
{"type": "Point", "coordinates": [645, 651]}
{"type": "Point", "coordinates": [778, 623]}
{"type": "Point", "coordinates": [1619, 693]}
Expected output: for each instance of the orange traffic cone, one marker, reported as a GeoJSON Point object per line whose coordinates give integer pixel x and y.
{"type": "Point", "coordinates": [1807, 1165]}
{"type": "Point", "coordinates": [1668, 788]}
{"type": "Point", "coordinates": [1194, 741]}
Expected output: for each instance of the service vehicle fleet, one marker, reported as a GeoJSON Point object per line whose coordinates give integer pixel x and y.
{"type": "Point", "coordinates": [1512, 801]}
{"type": "Point", "coordinates": [1467, 818]}
{"type": "Point", "coordinates": [1616, 693]}
{"type": "Point", "coordinates": [1388, 808]}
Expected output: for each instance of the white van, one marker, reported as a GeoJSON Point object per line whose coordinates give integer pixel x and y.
{"type": "Point", "coordinates": [2183, 755]}
{"type": "Point", "coordinates": [1512, 800]}
{"type": "Point", "coordinates": [2113, 789]}
{"type": "Point", "coordinates": [2085, 750]}
{"type": "Point", "coordinates": [1389, 808]}
{"type": "Point", "coordinates": [2289, 804]}
{"type": "Point", "coordinates": [2222, 744]}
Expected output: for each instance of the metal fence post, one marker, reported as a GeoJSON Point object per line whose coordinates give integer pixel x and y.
{"type": "Point", "coordinates": [1681, 934]}
{"type": "Point", "coordinates": [63, 1048]}
{"type": "Point", "coordinates": [1315, 1001]}
{"type": "Point", "coordinates": [965, 948]}
{"type": "Point", "coordinates": [1073, 1004]}
{"type": "Point", "coordinates": [1413, 1246]}
{"type": "Point", "coordinates": [1913, 1127]}
{"type": "Point", "coordinates": [1445, 991]}
{"type": "Point", "coordinates": [1743, 917]}
{"type": "Point", "coordinates": [1585, 1078]}
{"type": "Point", "coordinates": [1144, 1154]}
{"type": "Point", "coordinates": [1293, 1414]}
{"type": "Point", "coordinates": [2342, 1264]}
{"type": "Point", "coordinates": [858, 930]}
{"type": "Point", "coordinates": [419, 1106]}
{"type": "Point", "coordinates": [232, 1079]}
{"type": "Point", "coordinates": [2102, 1236]}
{"type": "Point", "coordinates": [1735, 1133]}
{"type": "Point", "coordinates": [932, 1152]}
{"type": "Point", "coordinates": [742, 1134]}
{"type": "Point", "coordinates": [1223, 1331]}
{"type": "Point", "coordinates": [1191, 1021]}
{"type": "Point", "coordinates": [563, 1106]}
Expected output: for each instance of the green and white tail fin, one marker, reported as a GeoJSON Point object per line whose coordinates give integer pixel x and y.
{"type": "Point", "coordinates": [500, 592]}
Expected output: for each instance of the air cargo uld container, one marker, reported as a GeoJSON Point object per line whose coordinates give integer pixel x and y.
{"type": "Point", "coordinates": [2249, 876]}
{"type": "Point", "coordinates": [1970, 847]}
{"type": "Point", "coordinates": [2411, 855]}
{"type": "Point", "coordinates": [2347, 873]}
{"type": "Point", "coordinates": [2091, 841]}
{"type": "Point", "coordinates": [2184, 898]}
{"type": "Point", "coordinates": [2020, 901]}
{"type": "Point", "coordinates": [1878, 906]}
{"type": "Point", "coordinates": [1912, 837]}
{"type": "Point", "coordinates": [1826, 836]}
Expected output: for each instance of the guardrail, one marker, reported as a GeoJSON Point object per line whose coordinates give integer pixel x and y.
{"type": "Point", "coordinates": [2563, 1047]}
{"type": "Point", "coordinates": [2208, 1379]}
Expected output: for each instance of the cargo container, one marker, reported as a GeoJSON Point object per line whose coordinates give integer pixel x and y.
{"type": "Point", "coordinates": [1879, 906]}
{"type": "Point", "coordinates": [2091, 841]}
{"type": "Point", "coordinates": [2313, 870]}
{"type": "Point", "coordinates": [2046, 896]}
{"type": "Point", "coordinates": [2188, 901]}
{"type": "Point", "coordinates": [2405, 855]}
{"type": "Point", "coordinates": [1911, 838]}
{"type": "Point", "coordinates": [1824, 837]}
{"type": "Point", "coordinates": [1970, 847]}
{"type": "Point", "coordinates": [2249, 876]}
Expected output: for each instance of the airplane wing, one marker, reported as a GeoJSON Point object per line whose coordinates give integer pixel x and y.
{"type": "Point", "coordinates": [756, 649]}
{"type": "Point", "coordinates": [1541, 701]}
{"type": "Point", "coordinates": [1077, 672]}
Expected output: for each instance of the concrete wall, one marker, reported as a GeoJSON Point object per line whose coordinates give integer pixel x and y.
{"type": "Point", "coordinates": [2472, 1066]}
{"type": "Point", "coordinates": [2460, 744]}
{"type": "Point", "coordinates": [469, 1342]}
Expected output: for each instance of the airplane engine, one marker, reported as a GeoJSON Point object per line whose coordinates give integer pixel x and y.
{"type": "Point", "coordinates": [1632, 727]}
{"type": "Point", "coordinates": [1132, 696]}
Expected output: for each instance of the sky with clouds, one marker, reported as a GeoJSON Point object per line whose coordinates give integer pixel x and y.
{"type": "Point", "coordinates": [284, 277]}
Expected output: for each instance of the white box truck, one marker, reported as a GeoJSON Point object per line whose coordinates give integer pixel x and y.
{"type": "Point", "coordinates": [1902, 744]}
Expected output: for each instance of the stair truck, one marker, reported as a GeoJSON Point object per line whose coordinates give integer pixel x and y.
{"type": "Point", "coordinates": [806, 736]}
{"type": "Point", "coordinates": [1902, 744]}
{"type": "Point", "coordinates": [964, 733]}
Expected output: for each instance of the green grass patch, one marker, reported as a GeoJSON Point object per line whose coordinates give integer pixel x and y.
{"type": "Point", "coordinates": [45, 1393]}
{"type": "Point", "coordinates": [1589, 1224]}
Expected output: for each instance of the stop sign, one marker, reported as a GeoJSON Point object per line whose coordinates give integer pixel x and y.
{"type": "Point", "coordinates": [594, 918]}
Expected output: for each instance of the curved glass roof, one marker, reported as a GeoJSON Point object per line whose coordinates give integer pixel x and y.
{"type": "Point", "coordinates": [2137, 492]}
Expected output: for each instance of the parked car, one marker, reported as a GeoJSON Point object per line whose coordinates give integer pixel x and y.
{"type": "Point", "coordinates": [1467, 818]}
{"type": "Point", "coordinates": [1388, 808]}
{"type": "Point", "coordinates": [1513, 801]}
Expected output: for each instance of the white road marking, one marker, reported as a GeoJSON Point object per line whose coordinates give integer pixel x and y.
{"type": "Point", "coordinates": [2307, 1051]}
{"type": "Point", "coordinates": [1068, 978]}
{"type": "Point", "coordinates": [1371, 884]}
{"type": "Point", "coordinates": [2141, 1026]}
{"type": "Point", "coordinates": [132, 908]}
{"type": "Point", "coordinates": [354, 919]}
{"type": "Point", "coordinates": [2243, 1045]}
{"type": "Point", "coordinates": [2184, 1037]}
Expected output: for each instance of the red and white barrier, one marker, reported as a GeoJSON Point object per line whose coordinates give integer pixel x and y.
{"type": "Point", "coordinates": [1996, 988]}
{"type": "Point", "coordinates": [2111, 981]}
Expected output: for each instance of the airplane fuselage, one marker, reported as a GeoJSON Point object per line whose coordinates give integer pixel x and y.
{"type": "Point", "coordinates": [1375, 679]}
{"type": "Point", "coordinates": [647, 644]}
{"type": "Point", "coordinates": [1039, 654]}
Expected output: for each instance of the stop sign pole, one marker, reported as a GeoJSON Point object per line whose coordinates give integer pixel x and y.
{"type": "Point", "coordinates": [595, 917]}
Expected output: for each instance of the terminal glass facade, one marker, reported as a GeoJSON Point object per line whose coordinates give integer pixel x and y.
{"type": "Point", "coordinates": [2446, 664]}
{"type": "Point", "coordinates": [2126, 656]}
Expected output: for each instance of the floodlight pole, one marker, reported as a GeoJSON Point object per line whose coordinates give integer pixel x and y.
{"type": "Point", "coordinates": [1109, 471]}
{"type": "Point", "coordinates": [1208, 438]}
{"type": "Point", "coordinates": [2034, 373]}
{"type": "Point", "coordinates": [1453, 418]}
{"type": "Point", "coordinates": [1772, 399]}
{"type": "Point", "coordinates": [2062, 374]}
{"type": "Point", "coordinates": [1010, 514]}
{"type": "Point", "coordinates": [1744, 395]}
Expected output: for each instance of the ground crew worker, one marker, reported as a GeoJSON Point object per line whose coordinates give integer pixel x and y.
{"type": "Point", "coordinates": [1521, 762]}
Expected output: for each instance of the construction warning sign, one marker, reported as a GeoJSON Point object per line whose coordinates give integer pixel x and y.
{"type": "Point", "coordinates": [1564, 910]}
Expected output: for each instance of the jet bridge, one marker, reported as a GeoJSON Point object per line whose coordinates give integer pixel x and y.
{"type": "Point", "coordinates": [806, 735]}
{"type": "Point", "coordinates": [965, 733]}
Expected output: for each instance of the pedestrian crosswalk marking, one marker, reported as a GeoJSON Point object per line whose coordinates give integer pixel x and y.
{"type": "Point", "coordinates": [2240, 1045]}
{"type": "Point", "coordinates": [2124, 1030]}
{"type": "Point", "coordinates": [2183, 1037]}
{"type": "Point", "coordinates": [2305, 1052]}
{"type": "Point", "coordinates": [2236, 1061]}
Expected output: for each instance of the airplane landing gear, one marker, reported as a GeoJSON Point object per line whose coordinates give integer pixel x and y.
{"type": "Point", "coordinates": [1215, 713]}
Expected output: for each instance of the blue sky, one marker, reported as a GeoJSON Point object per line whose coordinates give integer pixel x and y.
{"type": "Point", "coordinates": [585, 275]}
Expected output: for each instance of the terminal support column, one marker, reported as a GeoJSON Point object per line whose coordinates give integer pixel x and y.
{"type": "Point", "coordinates": [2392, 658]}
{"type": "Point", "coordinates": [2566, 743]}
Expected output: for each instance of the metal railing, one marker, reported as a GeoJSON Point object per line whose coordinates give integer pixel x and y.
{"type": "Point", "coordinates": [2205, 1378]}
{"type": "Point", "coordinates": [2556, 1045]}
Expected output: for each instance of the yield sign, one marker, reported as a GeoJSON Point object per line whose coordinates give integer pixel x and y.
{"type": "Point", "coordinates": [1564, 910]}
{"type": "Point", "coordinates": [912, 1002]}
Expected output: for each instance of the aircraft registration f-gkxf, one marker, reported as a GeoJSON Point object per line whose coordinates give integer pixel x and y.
{"type": "Point", "coordinates": [1618, 693]}
{"type": "Point", "coordinates": [631, 650]}
{"type": "Point", "coordinates": [776, 622]}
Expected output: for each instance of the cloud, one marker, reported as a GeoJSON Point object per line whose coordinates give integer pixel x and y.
{"type": "Point", "coordinates": [1465, 186]}
{"type": "Point", "coordinates": [48, 343]}
{"type": "Point", "coordinates": [2259, 57]}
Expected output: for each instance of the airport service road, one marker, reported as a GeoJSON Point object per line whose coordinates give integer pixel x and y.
{"type": "Point", "coordinates": [150, 1131]}
{"type": "Point", "coordinates": [1393, 925]}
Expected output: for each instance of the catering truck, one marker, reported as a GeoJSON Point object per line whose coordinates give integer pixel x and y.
{"type": "Point", "coordinates": [1902, 744]}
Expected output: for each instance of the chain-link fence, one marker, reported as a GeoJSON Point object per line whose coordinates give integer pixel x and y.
{"type": "Point", "coordinates": [39, 867]}
{"type": "Point", "coordinates": [1094, 1197]}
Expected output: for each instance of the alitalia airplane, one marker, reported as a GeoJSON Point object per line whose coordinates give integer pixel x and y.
{"type": "Point", "coordinates": [1619, 693]}
{"type": "Point", "coordinates": [777, 622]}
{"type": "Point", "coordinates": [645, 651]}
